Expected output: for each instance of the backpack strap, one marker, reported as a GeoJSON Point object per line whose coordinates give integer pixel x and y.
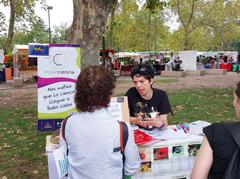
{"type": "Point", "coordinates": [234, 130]}
{"type": "Point", "coordinates": [123, 135]}
{"type": "Point", "coordinates": [63, 125]}
{"type": "Point", "coordinates": [123, 141]}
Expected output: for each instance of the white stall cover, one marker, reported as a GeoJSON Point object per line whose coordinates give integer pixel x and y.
{"type": "Point", "coordinates": [189, 59]}
{"type": "Point", "coordinates": [1, 56]}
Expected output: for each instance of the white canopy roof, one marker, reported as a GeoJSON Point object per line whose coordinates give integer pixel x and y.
{"type": "Point", "coordinates": [17, 47]}
{"type": "Point", "coordinates": [127, 54]}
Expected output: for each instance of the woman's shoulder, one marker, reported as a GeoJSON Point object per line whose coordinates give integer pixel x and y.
{"type": "Point", "coordinates": [213, 127]}
{"type": "Point", "coordinates": [220, 125]}
{"type": "Point", "coordinates": [216, 130]}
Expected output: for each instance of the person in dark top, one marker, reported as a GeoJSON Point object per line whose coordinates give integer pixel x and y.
{"type": "Point", "coordinates": [149, 107]}
{"type": "Point", "coordinates": [177, 65]}
{"type": "Point", "coordinates": [216, 149]}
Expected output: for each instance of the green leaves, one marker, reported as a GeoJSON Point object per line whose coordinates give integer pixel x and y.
{"type": "Point", "coordinates": [155, 5]}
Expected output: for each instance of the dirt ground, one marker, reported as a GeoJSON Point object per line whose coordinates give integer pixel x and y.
{"type": "Point", "coordinates": [12, 96]}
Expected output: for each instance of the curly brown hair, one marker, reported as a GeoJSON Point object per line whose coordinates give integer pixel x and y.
{"type": "Point", "coordinates": [94, 88]}
{"type": "Point", "coordinates": [237, 90]}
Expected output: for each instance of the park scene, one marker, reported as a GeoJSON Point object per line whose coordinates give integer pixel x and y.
{"type": "Point", "coordinates": [168, 69]}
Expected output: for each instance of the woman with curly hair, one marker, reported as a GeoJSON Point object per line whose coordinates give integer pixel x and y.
{"type": "Point", "coordinates": [93, 134]}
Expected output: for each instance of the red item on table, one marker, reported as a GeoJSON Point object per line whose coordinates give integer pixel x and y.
{"type": "Point", "coordinates": [141, 137]}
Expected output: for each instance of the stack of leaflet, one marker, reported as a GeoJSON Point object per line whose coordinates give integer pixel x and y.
{"type": "Point", "coordinates": [197, 127]}
{"type": "Point", "coordinates": [171, 132]}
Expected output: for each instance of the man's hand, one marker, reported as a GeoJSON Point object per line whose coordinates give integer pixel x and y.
{"type": "Point", "coordinates": [158, 121]}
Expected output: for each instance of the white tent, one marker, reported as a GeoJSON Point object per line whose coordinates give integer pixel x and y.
{"type": "Point", "coordinates": [1, 56]}
{"type": "Point", "coordinates": [16, 48]}
{"type": "Point", "coordinates": [127, 54]}
{"type": "Point", "coordinates": [189, 59]}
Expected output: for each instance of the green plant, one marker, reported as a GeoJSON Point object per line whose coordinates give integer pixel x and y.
{"type": "Point", "coordinates": [9, 63]}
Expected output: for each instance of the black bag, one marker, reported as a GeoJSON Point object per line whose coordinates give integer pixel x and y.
{"type": "Point", "coordinates": [233, 168]}
{"type": "Point", "coordinates": [123, 142]}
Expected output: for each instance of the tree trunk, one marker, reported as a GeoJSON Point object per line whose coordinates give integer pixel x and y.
{"type": "Point", "coordinates": [149, 31]}
{"type": "Point", "coordinates": [186, 39]}
{"type": "Point", "coordinates": [112, 21]}
{"type": "Point", "coordinates": [155, 34]}
{"type": "Point", "coordinates": [11, 25]}
{"type": "Point", "coordinates": [222, 38]}
{"type": "Point", "coordinates": [89, 20]}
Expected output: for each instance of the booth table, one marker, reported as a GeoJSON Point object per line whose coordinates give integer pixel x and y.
{"type": "Point", "coordinates": [169, 158]}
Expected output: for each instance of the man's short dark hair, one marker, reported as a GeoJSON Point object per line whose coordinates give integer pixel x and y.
{"type": "Point", "coordinates": [143, 70]}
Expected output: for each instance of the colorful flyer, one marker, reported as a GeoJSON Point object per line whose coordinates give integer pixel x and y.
{"type": "Point", "coordinates": [145, 154]}
{"type": "Point", "coordinates": [160, 153]}
{"type": "Point", "coordinates": [178, 151]}
{"type": "Point", "coordinates": [193, 149]}
{"type": "Point", "coordinates": [146, 167]}
{"type": "Point", "coordinates": [57, 74]}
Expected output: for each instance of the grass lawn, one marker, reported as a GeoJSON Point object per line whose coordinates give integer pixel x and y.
{"type": "Point", "coordinates": [22, 147]}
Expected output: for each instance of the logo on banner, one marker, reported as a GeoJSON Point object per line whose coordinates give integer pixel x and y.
{"type": "Point", "coordinates": [38, 50]}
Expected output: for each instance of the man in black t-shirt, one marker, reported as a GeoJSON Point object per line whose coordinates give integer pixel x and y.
{"type": "Point", "coordinates": [149, 107]}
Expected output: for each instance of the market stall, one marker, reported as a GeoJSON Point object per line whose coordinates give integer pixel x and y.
{"type": "Point", "coordinates": [169, 154]}
{"type": "Point", "coordinates": [23, 65]}
{"type": "Point", "coordinates": [127, 61]}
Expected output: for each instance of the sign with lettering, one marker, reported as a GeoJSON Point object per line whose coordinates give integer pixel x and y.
{"type": "Point", "coordinates": [36, 50]}
{"type": "Point", "coordinates": [57, 75]}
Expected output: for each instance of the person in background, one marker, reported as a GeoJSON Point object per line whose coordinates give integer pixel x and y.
{"type": "Point", "coordinates": [238, 63]}
{"type": "Point", "coordinates": [208, 64]}
{"type": "Point", "coordinates": [216, 149]}
{"type": "Point", "coordinates": [213, 62]}
{"type": "Point", "coordinates": [231, 60]}
{"type": "Point", "coordinates": [149, 107]}
{"type": "Point", "coordinates": [178, 63]}
{"type": "Point", "coordinates": [170, 65]}
{"type": "Point", "coordinates": [92, 135]}
{"type": "Point", "coordinates": [199, 65]}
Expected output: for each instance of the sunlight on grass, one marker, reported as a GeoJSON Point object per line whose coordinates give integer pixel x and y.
{"type": "Point", "coordinates": [213, 105]}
